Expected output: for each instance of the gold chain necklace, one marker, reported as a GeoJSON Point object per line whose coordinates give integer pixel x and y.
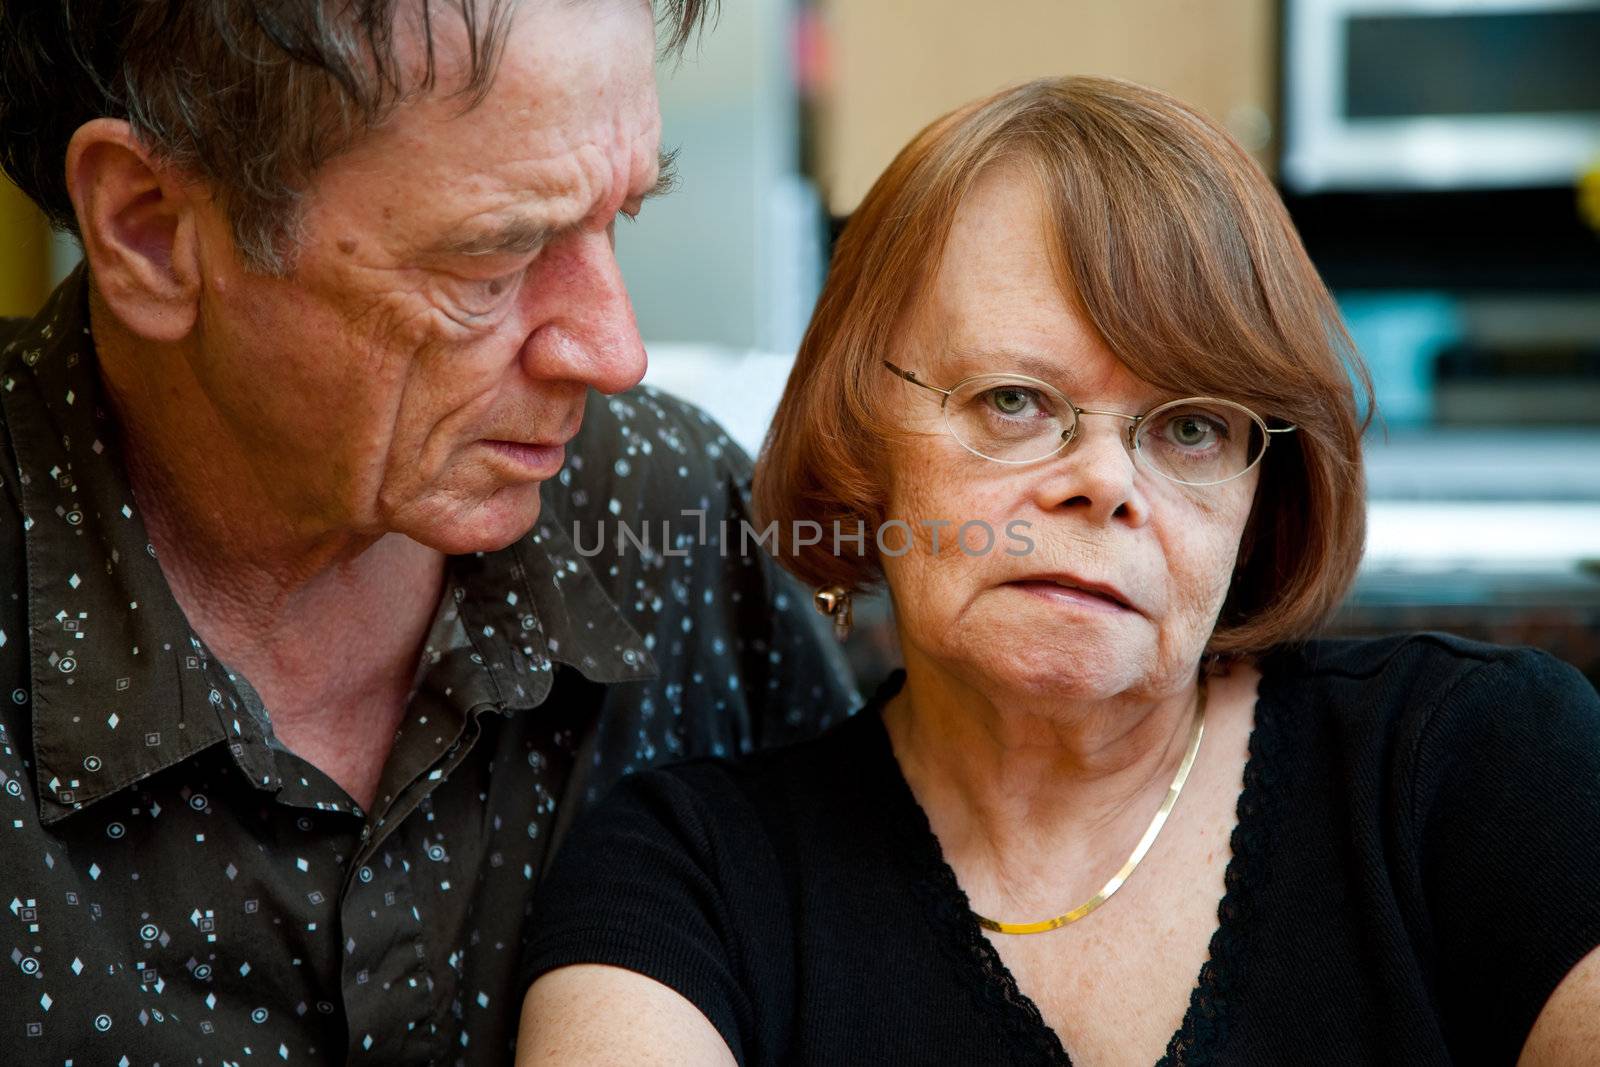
{"type": "Point", "coordinates": [1139, 850]}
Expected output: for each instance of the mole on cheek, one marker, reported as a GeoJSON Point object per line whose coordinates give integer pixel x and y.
{"type": "Point", "coordinates": [347, 246]}
{"type": "Point", "coordinates": [496, 285]}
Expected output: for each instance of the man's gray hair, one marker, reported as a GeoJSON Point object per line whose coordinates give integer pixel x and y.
{"type": "Point", "coordinates": [250, 95]}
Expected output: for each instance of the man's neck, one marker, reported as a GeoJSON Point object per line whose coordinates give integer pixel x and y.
{"type": "Point", "coordinates": [326, 624]}
{"type": "Point", "coordinates": [329, 636]}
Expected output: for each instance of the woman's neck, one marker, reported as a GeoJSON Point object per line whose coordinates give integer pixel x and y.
{"type": "Point", "coordinates": [1019, 790]}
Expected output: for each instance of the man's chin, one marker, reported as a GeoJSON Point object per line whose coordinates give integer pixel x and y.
{"type": "Point", "coordinates": [502, 520]}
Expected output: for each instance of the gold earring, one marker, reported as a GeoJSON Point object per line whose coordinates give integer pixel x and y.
{"type": "Point", "coordinates": [834, 602]}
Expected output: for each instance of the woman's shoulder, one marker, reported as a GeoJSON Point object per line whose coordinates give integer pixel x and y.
{"type": "Point", "coordinates": [845, 765]}
{"type": "Point", "coordinates": [1429, 654]}
{"type": "Point", "coordinates": [1409, 674]}
{"type": "Point", "coordinates": [1419, 704]}
{"type": "Point", "coordinates": [1458, 781]}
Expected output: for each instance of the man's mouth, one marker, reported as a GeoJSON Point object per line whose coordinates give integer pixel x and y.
{"type": "Point", "coordinates": [536, 459]}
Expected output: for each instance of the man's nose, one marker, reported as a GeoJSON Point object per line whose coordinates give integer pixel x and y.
{"type": "Point", "coordinates": [586, 330]}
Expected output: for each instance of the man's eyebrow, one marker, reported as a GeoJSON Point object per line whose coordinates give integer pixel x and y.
{"type": "Point", "coordinates": [521, 236]}
{"type": "Point", "coordinates": [517, 237]}
{"type": "Point", "coordinates": [666, 175]}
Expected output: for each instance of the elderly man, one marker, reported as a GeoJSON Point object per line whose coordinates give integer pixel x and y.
{"type": "Point", "coordinates": [301, 675]}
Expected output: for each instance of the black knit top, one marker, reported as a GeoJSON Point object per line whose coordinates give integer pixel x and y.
{"type": "Point", "coordinates": [1416, 865]}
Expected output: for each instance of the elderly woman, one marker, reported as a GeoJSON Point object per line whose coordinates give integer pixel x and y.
{"type": "Point", "coordinates": [1118, 805]}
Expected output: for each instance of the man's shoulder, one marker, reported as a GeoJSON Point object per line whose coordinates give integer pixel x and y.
{"type": "Point", "coordinates": [648, 410]}
{"type": "Point", "coordinates": [10, 329]}
{"type": "Point", "coordinates": [647, 455]}
{"type": "Point", "coordinates": [653, 503]}
{"type": "Point", "coordinates": [11, 332]}
{"type": "Point", "coordinates": [15, 716]}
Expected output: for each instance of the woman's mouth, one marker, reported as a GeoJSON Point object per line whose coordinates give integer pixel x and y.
{"type": "Point", "coordinates": [1065, 592]}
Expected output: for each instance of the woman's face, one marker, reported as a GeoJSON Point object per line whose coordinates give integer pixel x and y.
{"type": "Point", "coordinates": [1009, 623]}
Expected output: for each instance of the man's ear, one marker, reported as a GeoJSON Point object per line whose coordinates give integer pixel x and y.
{"type": "Point", "coordinates": [140, 233]}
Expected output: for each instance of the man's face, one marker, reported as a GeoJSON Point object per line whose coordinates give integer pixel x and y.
{"type": "Point", "coordinates": [453, 296]}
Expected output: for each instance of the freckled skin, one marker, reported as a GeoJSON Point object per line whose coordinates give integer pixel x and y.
{"type": "Point", "coordinates": [359, 389]}
{"type": "Point", "coordinates": [1094, 513]}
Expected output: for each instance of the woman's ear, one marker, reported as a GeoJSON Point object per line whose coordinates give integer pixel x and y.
{"type": "Point", "coordinates": [137, 220]}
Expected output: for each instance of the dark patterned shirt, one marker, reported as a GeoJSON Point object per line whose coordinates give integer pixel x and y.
{"type": "Point", "coordinates": [177, 886]}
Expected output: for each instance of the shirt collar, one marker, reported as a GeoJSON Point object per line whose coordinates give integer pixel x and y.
{"type": "Point", "coordinates": [121, 687]}
{"type": "Point", "coordinates": [533, 605]}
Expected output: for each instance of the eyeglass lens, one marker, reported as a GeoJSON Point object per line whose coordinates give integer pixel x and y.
{"type": "Point", "coordinates": [1195, 441]}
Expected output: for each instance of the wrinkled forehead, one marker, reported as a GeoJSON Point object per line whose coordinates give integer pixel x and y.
{"type": "Point", "coordinates": [465, 46]}
{"type": "Point", "coordinates": [568, 128]}
{"type": "Point", "coordinates": [554, 63]}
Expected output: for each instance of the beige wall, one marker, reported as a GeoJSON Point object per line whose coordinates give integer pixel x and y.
{"type": "Point", "coordinates": [895, 65]}
{"type": "Point", "coordinates": [24, 253]}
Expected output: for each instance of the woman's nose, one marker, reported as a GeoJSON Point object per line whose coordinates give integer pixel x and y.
{"type": "Point", "coordinates": [1096, 473]}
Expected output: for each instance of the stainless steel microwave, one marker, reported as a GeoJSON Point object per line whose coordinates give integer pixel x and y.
{"type": "Point", "coordinates": [1439, 94]}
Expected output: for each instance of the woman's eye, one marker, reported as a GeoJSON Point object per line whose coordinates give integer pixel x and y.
{"type": "Point", "coordinates": [1012, 400]}
{"type": "Point", "coordinates": [1194, 431]}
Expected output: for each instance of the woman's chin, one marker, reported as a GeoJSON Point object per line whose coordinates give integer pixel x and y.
{"type": "Point", "coordinates": [1064, 679]}
{"type": "Point", "coordinates": [1054, 662]}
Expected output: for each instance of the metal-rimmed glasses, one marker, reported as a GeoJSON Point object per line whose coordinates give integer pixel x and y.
{"type": "Point", "coordinates": [1012, 418]}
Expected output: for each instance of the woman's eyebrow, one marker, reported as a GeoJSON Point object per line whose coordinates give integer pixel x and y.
{"type": "Point", "coordinates": [1002, 359]}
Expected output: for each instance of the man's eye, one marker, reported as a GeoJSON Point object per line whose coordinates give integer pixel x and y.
{"type": "Point", "coordinates": [480, 296]}
{"type": "Point", "coordinates": [496, 286]}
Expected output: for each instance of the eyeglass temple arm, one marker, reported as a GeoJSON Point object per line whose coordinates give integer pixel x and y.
{"type": "Point", "coordinates": [911, 377]}
{"type": "Point", "coordinates": [1282, 429]}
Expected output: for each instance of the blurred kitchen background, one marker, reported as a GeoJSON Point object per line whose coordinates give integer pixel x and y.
{"type": "Point", "coordinates": [1441, 157]}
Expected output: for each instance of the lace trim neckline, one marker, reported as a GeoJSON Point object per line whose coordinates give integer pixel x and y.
{"type": "Point", "coordinates": [991, 983]}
